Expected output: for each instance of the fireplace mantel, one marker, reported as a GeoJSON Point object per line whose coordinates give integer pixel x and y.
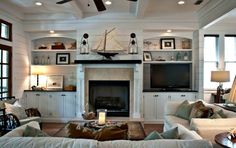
{"type": "Point", "coordinates": [108, 61]}
{"type": "Point", "coordinates": [109, 70]}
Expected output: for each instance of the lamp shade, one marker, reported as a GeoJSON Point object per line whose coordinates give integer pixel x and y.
{"type": "Point", "coordinates": [37, 70]}
{"type": "Point", "coordinates": [220, 76]}
{"type": "Point", "coordinates": [232, 94]}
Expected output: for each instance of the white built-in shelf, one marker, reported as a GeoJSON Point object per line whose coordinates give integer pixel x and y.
{"type": "Point", "coordinates": [176, 62]}
{"type": "Point", "coordinates": [165, 50]}
{"type": "Point", "coordinates": [54, 50]}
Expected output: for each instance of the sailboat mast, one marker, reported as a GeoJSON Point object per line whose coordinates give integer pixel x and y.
{"type": "Point", "coordinates": [105, 41]}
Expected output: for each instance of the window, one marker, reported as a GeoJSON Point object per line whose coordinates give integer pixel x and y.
{"type": "Point", "coordinates": [210, 59]}
{"type": "Point", "coordinates": [5, 71]}
{"type": "Point", "coordinates": [6, 30]}
{"type": "Point", "coordinates": [230, 58]}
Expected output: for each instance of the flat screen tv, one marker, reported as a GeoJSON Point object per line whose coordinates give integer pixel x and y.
{"type": "Point", "coordinates": [170, 76]}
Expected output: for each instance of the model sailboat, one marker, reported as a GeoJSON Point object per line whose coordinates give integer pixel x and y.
{"type": "Point", "coordinates": [108, 46]}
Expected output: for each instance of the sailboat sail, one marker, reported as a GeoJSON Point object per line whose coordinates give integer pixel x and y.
{"type": "Point", "coordinates": [109, 43]}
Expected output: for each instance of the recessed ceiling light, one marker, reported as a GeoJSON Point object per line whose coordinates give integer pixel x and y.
{"type": "Point", "coordinates": [108, 2]}
{"type": "Point", "coordinates": [38, 3]}
{"type": "Point", "coordinates": [169, 30]}
{"type": "Point", "coordinates": [52, 31]}
{"type": "Point", "coordinates": [181, 2]}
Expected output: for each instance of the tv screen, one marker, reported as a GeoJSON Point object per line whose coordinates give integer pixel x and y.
{"type": "Point", "coordinates": [170, 76]}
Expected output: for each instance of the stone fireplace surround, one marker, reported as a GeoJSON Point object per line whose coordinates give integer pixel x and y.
{"type": "Point", "coordinates": [106, 71]}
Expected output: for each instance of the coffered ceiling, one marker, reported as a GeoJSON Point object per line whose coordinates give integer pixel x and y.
{"type": "Point", "coordinates": [79, 9]}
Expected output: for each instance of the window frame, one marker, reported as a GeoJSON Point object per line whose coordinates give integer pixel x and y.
{"type": "Point", "coordinates": [217, 58]}
{"type": "Point", "coordinates": [10, 30]}
{"type": "Point", "coordinates": [9, 77]}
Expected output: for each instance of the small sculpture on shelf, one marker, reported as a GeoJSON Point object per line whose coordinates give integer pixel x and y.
{"type": "Point", "coordinates": [58, 45]}
{"type": "Point", "coordinates": [42, 47]}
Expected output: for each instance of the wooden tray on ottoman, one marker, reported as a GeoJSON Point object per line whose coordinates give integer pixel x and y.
{"type": "Point", "coordinates": [135, 131]}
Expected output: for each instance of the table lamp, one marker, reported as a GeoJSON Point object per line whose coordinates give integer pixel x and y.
{"type": "Point", "coordinates": [37, 71]}
{"type": "Point", "coordinates": [219, 76]}
{"type": "Point", "coordinates": [101, 116]}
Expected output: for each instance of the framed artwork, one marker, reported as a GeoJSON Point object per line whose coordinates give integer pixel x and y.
{"type": "Point", "coordinates": [62, 58]}
{"type": "Point", "coordinates": [167, 43]}
{"type": "Point", "coordinates": [54, 82]}
{"type": "Point", "coordinates": [147, 56]}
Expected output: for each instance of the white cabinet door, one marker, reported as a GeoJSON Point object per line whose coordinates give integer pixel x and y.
{"type": "Point", "coordinates": [32, 99]}
{"type": "Point", "coordinates": [43, 104]}
{"type": "Point", "coordinates": [55, 105]}
{"type": "Point", "coordinates": [162, 99]}
{"type": "Point", "coordinates": [149, 107]}
{"type": "Point", "coordinates": [69, 104]}
{"type": "Point", "coordinates": [154, 104]}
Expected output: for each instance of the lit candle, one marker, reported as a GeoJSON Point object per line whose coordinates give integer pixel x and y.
{"type": "Point", "coordinates": [101, 118]}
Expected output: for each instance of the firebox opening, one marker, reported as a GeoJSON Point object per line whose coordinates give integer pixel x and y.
{"type": "Point", "coordinates": [110, 95]}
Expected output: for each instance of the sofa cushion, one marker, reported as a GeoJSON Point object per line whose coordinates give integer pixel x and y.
{"type": "Point", "coordinates": [159, 143]}
{"type": "Point", "coordinates": [33, 132]}
{"type": "Point", "coordinates": [215, 123]}
{"type": "Point", "coordinates": [184, 109]}
{"type": "Point", "coordinates": [171, 120]}
{"type": "Point", "coordinates": [16, 110]}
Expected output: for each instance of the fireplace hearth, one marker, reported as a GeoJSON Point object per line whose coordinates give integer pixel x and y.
{"type": "Point", "coordinates": [111, 95]}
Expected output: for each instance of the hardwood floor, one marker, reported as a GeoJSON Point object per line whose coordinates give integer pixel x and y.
{"type": "Point", "coordinates": [52, 128]}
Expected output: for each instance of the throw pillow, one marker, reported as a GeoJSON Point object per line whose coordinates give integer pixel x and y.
{"type": "Point", "coordinates": [194, 112]}
{"type": "Point", "coordinates": [184, 109]}
{"type": "Point", "coordinates": [205, 112]}
{"type": "Point", "coordinates": [153, 135]}
{"type": "Point", "coordinates": [170, 134]}
{"type": "Point", "coordinates": [33, 132]}
{"type": "Point", "coordinates": [111, 133]}
{"type": "Point", "coordinates": [221, 113]}
{"type": "Point", "coordinates": [16, 110]}
{"type": "Point", "coordinates": [75, 131]}
{"type": "Point", "coordinates": [215, 116]}
{"type": "Point", "coordinates": [10, 101]}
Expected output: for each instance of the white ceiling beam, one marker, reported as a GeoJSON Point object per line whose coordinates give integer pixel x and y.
{"type": "Point", "coordinates": [141, 7]}
{"type": "Point", "coordinates": [212, 12]}
{"type": "Point", "coordinates": [77, 10]}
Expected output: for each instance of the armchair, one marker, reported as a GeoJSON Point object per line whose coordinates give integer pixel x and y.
{"type": "Point", "coordinates": [15, 116]}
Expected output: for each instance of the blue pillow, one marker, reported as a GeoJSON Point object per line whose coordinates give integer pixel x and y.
{"type": "Point", "coordinates": [170, 134]}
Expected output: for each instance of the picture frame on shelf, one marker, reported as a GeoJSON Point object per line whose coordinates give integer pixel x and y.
{"type": "Point", "coordinates": [62, 58]}
{"type": "Point", "coordinates": [54, 82]}
{"type": "Point", "coordinates": [167, 43]}
{"type": "Point", "coordinates": [147, 56]}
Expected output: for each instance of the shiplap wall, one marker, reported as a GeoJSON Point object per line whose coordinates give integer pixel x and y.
{"type": "Point", "coordinates": [20, 69]}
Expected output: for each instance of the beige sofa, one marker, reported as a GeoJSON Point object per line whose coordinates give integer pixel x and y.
{"type": "Point", "coordinates": [206, 128]}
{"type": "Point", "coordinates": [189, 139]}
